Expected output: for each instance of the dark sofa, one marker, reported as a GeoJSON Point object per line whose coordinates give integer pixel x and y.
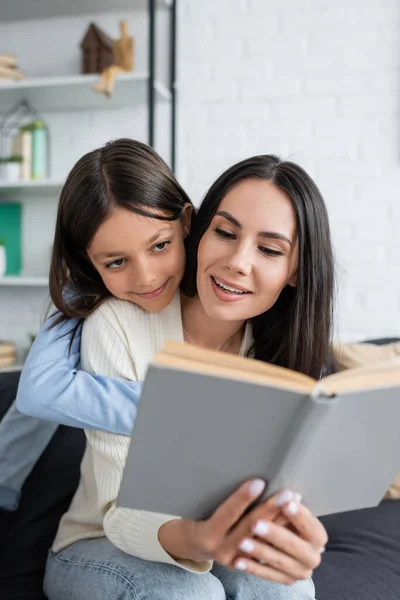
{"type": "Point", "coordinates": [362, 561]}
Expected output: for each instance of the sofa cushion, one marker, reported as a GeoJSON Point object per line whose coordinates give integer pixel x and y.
{"type": "Point", "coordinates": [363, 555]}
{"type": "Point", "coordinates": [350, 356]}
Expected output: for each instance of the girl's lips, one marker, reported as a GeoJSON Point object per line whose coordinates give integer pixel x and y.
{"type": "Point", "coordinates": [154, 294]}
{"type": "Point", "coordinates": [226, 296]}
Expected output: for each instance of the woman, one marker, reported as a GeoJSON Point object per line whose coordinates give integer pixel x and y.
{"type": "Point", "coordinates": [268, 261]}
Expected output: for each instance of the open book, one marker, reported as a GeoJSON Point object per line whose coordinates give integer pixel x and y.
{"type": "Point", "coordinates": [208, 421]}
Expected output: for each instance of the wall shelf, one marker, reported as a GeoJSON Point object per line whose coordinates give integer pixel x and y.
{"type": "Point", "coordinates": [16, 281]}
{"type": "Point", "coordinates": [28, 189]}
{"type": "Point", "coordinates": [45, 9]}
{"type": "Point", "coordinates": [74, 92]}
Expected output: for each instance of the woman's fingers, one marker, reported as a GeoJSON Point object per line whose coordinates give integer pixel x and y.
{"type": "Point", "coordinates": [273, 558]}
{"type": "Point", "coordinates": [288, 543]}
{"type": "Point", "coordinates": [263, 571]}
{"type": "Point", "coordinates": [268, 510]}
{"type": "Point", "coordinates": [230, 511]}
{"type": "Point", "coordinates": [281, 520]}
{"type": "Point", "coordinates": [306, 524]}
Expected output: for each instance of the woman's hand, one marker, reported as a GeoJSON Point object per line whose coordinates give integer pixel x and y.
{"type": "Point", "coordinates": [272, 551]}
{"type": "Point", "coordinates": [254, 543]}
{"type": "Point", "coordinates": [200, 540]}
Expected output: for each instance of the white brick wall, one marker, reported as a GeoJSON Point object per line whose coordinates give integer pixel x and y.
{"type": "Point", "coordinates": [317, 82]}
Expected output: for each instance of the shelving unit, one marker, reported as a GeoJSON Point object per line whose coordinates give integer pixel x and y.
{"type": "Point", "coordinates": [69, 93]}
{"type": "Point", "coordinates": [58, 92]}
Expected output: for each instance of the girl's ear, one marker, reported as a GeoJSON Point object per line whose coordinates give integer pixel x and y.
{"type": "Point", "coordinates": [186, 218]}
{"type": "Point", "coordinates": [293, 280]}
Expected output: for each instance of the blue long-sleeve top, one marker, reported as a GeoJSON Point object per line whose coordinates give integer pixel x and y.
{"type": "Point", "coordinates": [53, 388]}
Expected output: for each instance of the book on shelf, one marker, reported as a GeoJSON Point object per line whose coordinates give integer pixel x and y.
{"type": "Point", "coordinates": [22, 146]}
{"type": "Point", "coordinates": [208, 421]}
{"type": "Point", "coordinates": [10, 235]}
{"type": "Point", "coordinates": [7, 354]}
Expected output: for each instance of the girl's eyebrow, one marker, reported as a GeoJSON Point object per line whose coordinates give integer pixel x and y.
{"type": "Point", "coordinates": [101, 255]}
{"type": "Point", "coordinates": [274, 235]}
{"type": "Point", "coordinates": [116, 254]}
{"type": "Point", "coordinates": [166, 230]}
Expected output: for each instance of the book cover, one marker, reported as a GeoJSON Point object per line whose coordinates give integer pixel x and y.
{"type": "Point", "coordinates": [10, 235]}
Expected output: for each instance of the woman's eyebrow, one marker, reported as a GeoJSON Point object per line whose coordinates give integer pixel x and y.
{"type": "Point", "coordinates": [274, 235]}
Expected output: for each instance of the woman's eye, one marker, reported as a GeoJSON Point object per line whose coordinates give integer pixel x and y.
{"type": "Point", "coordinates": [224, 234]}
{"type": "Point", "coordinates": [115, 263]}
{"type": "Point", "coordinates": [270, 252]}
{"type": "Point", "coordinates": [161, 246]}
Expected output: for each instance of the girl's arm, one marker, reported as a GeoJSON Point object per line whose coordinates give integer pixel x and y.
{"type": "Point", "coordinates": [52, 388]}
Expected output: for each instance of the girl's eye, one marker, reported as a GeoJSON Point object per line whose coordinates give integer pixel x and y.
{"type": "Point", "coordinates": [226, 235]}
{"type": "Point", "coordinates": [270, 252]}
{"type": "Point", "coordinates": [161, 246]}
{"type": "Point", "coordinates": [115, 263]}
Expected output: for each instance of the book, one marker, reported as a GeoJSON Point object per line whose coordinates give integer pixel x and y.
{"type": "Point", "coordinates": [22, 146]}
{"type": "Point", "coordinates": [7, 354]}
{"type": "Point", "coordinates": [10, 235]}
{"type": "Point", "coordinates": [208, 421]}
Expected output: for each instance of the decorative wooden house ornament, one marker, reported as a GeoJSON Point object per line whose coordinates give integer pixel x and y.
{"type": "Point", "coordinates": [97, 50]}
{"type": "Point", "coordinates": [123, 62]}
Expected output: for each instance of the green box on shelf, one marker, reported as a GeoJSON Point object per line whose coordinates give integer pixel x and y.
{"type": "Point", "coordinates": [10, 235]}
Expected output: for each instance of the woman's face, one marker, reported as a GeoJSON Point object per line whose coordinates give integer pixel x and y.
{"type": "Point", "coordinates": [140, 259]}
{"type": "Point", "coordinates": [249, 252]}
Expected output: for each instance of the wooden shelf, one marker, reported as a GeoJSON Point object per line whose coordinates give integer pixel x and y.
{"type": "Point", "coordinates": [18, 10]}
{"type": "Point", "coordinates": [45, 187]}
{"type": "Point", "coordinates": [74, 92]}
{"type": "Point", "coordinates": [15, 281]}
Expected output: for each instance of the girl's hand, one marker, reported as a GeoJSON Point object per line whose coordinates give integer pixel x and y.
{"type": "Point", "coordinates": [272, 551]}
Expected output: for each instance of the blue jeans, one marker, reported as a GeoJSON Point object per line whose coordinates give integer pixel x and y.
{"type": "Point", "coordinates": [95, 569]}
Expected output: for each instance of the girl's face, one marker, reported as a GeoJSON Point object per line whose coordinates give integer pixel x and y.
{"type": "Point", "coordinates": [140, 259]}
{"type": "Point", "coordinates": [249, 252]}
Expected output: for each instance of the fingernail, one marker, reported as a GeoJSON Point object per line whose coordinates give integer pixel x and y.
{"type": "Point", "coordinates": [261, 528]}
{"type": "Point", "coordinates": [246, 545]}
{"type": "Point", "coordinates": [297, 497]}
{"type": "Point", "coordinates": [284, 497]}
{"type": "Point", "coordinates": [241, 564]}
{"type": "Point", "coordinates": [256, 487]}
{"type": "Point", "coordinates": [292, 508]}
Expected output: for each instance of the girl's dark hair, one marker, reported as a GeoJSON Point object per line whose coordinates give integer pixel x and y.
{"type": "Point", "coordinates": [295, 332]}
{"type": "Point", "coordinates": [124, 173]}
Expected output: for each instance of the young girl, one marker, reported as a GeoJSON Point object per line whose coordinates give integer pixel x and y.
{"type": "Point", "coordinates": [120, 339]}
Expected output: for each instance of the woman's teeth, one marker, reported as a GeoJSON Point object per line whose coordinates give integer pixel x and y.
{"type": "Point", "coordinates": [228, 288]}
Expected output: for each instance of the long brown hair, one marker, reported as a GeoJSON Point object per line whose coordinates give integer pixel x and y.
{"type": "Point", "coordinates": [295, 332]}
{"type": "Point", "coordinates": [123, 173]}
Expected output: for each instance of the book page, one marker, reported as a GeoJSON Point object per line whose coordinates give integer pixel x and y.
{"type": "Point", "coordinates": [362, 378]}
{"type": "Point", "coordinates": [221, 364]}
